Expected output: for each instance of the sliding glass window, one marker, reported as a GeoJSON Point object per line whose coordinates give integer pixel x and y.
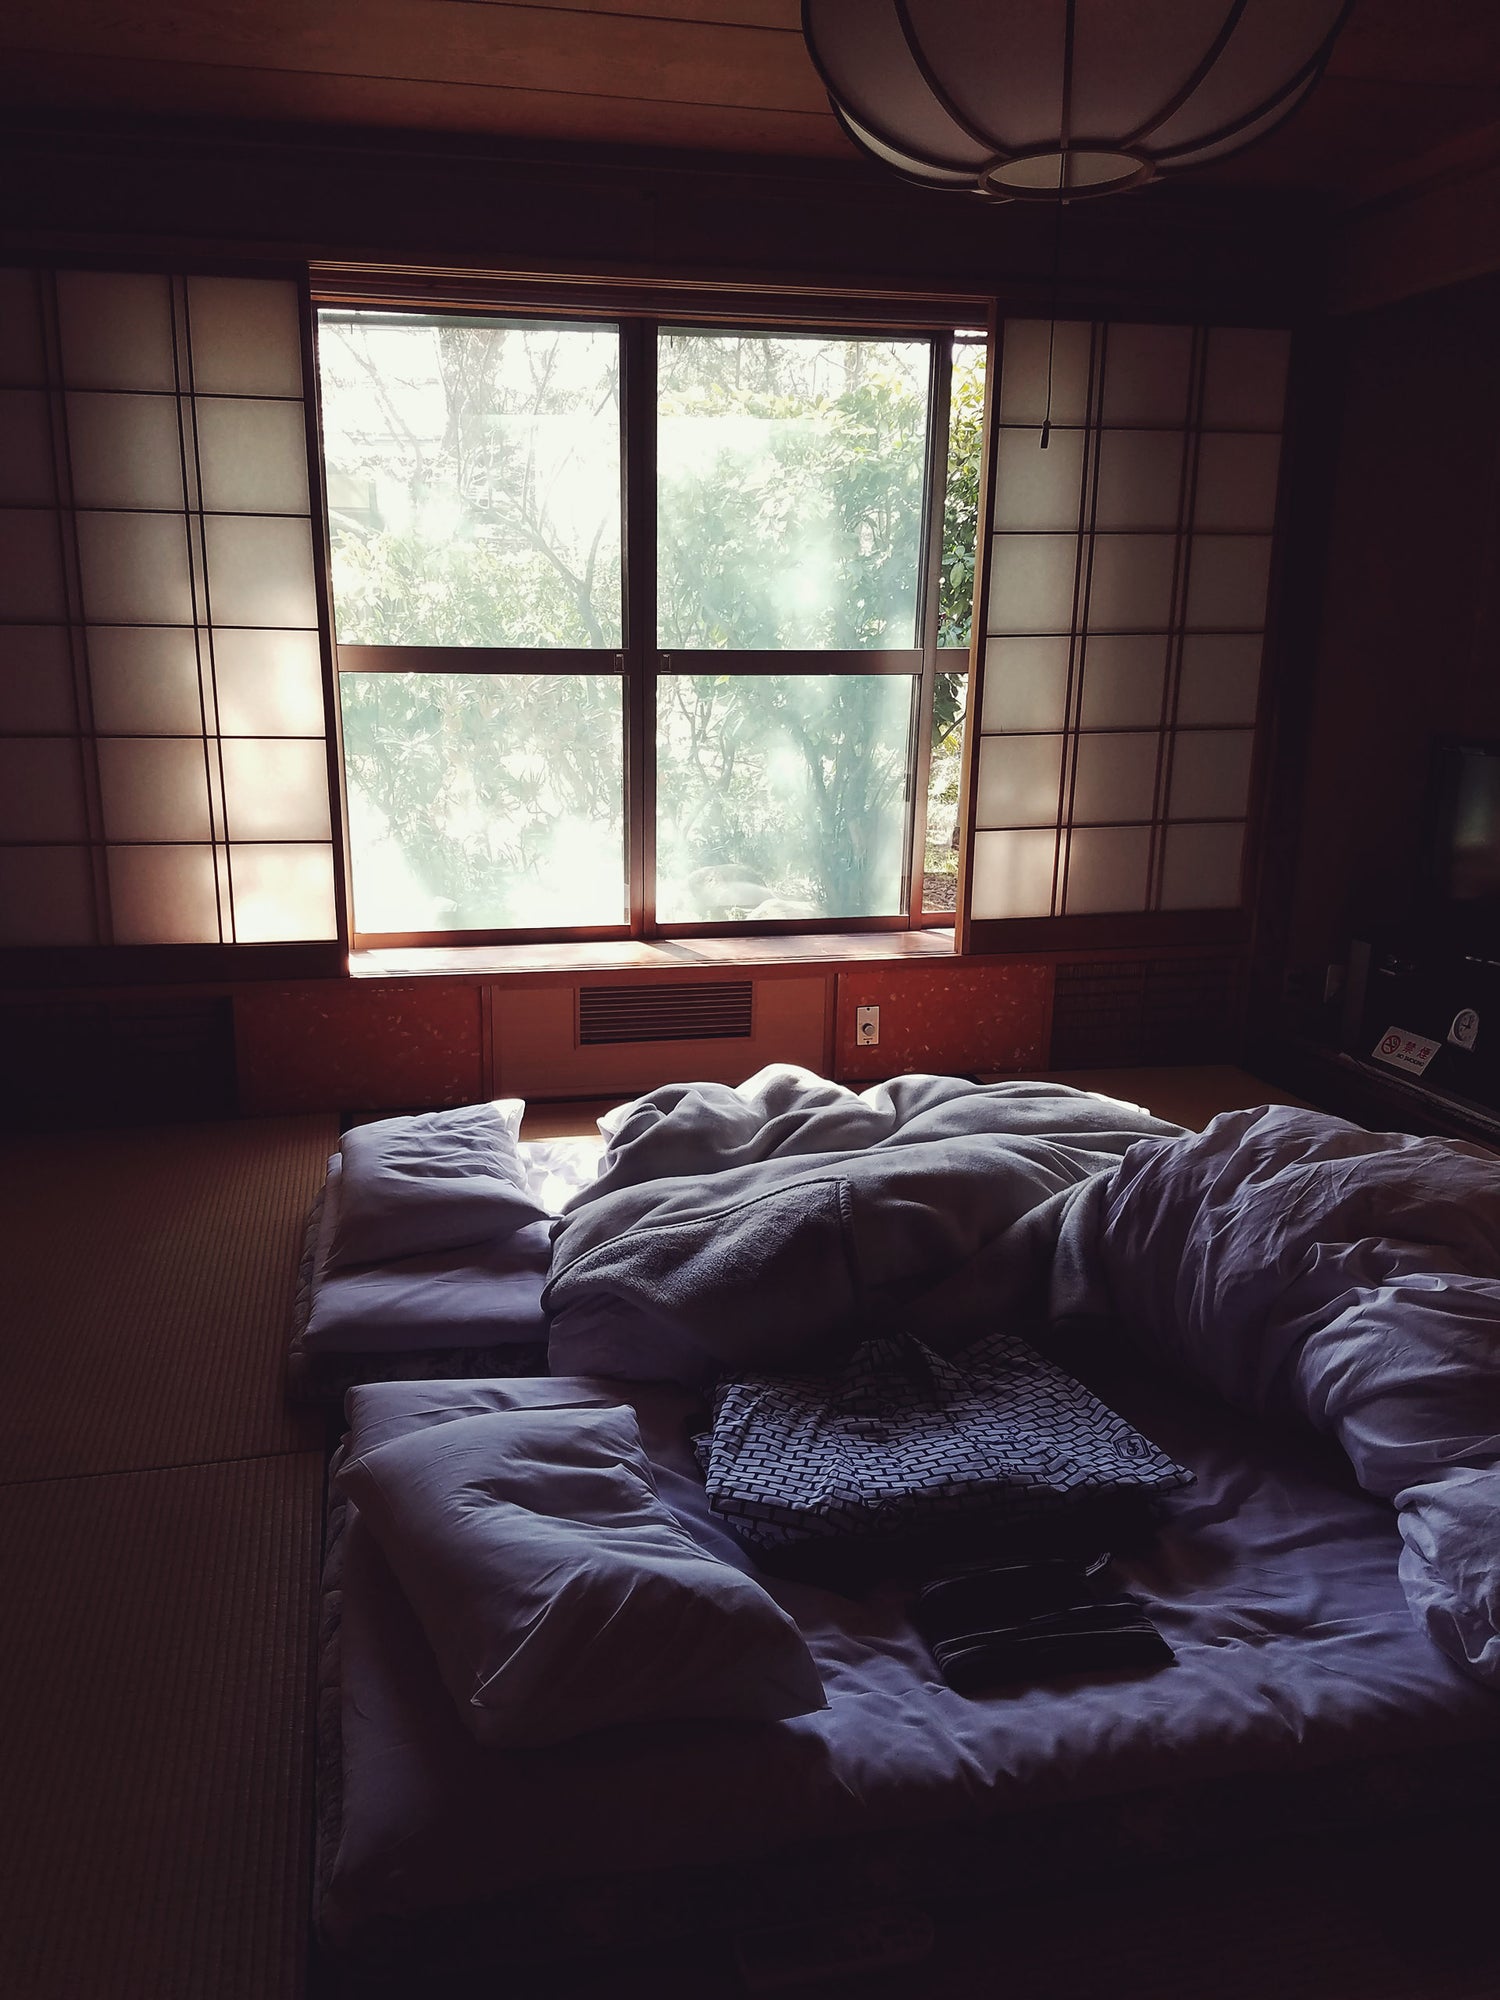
{"type": "Point", "coordinates": [643, 628]}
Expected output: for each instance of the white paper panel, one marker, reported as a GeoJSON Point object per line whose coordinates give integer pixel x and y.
{"type": "Point", "coordinates": [125, 451]}
{"type": "Point", "coordinates": [1031, 583]}
{"type": "Point", "coordinates": [27, 473]}
{"type": "Point", "coordinates": [1036, 488]}
{"type": "Point", "coordinates": [145, 680]}
{"type": "Point", "coordinates": [270, 683]}
{"type": "Point", "coordinates": [1130, 585]}
{"type": "Point", "coordinates": [253, 456]}
{"type": "Point", "coordinates": [163, 895]}
{"type": "Point", "coordinates": [46, 896]}
{"type": "Point", "coordinates": [1220, 679]}
{"type": "Point", "coordinates": [282, 894]}
{"type": "Point", "coordinates": [1115, 777]}
{"type": "Point", "coordinates": [1245, 384]}
{"type": "Point", "coordinates": [1210, 773]}
{"type": "Point", "coordinates": [1019, 777]}
{"type": "Point", "coordinates": [260, 572]}
{"type": "Point", "coordinates": [246, 337]}
{"type": "Point", "coordinates": [116, 330]}
{"type": "Point", "coordinates": [1146, 374]}
{"type": "Point", "coordinates": [134, 569]}
{"type": "Point", "coordinates": [1013, 874]}
{"type": "Point", "coordinates": [1201, 869]}
{"type": "Point", "coordinates": [1107, 869]}
{"type": "Point", "coordinates": [1140, 479]}
{"type": "Point", "coordinates": [41, 789]}
{"type": "Point", "coordinates": [154, 789]}
{"type": "Point", "coordinates": [1237, 481]}
{"type": "Point", "coordinates": [36, 679]}
{"type": "Point", "coordinates": [31, 581]}
{"type": "Point", "coordinates": [1023, 372]}
{"type": "Point", "coordinates": [276, 790]}
{"type": "Point", "coordinates": [1227, 582]}
{"type": "Point", "coordinates": [1122, 680]}
{"type": "Point", "coordinates": [1025, 684]}
{"type": "Point", "coordinates": [21, 358]}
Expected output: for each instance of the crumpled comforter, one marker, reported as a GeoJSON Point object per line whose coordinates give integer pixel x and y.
{"type": "Point", "coordinates": [1345, 1279]}
{"type": "Point", "coordinates": [776, 1223]}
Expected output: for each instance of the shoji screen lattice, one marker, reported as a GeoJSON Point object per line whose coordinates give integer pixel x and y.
{"type": "Point", "coordinates": [163, 774]}
{"type": "Point", "coordinates": [1126, 613]}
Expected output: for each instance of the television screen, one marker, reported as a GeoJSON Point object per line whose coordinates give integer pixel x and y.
{"type": "Point", "coordinates": [1466, 827]}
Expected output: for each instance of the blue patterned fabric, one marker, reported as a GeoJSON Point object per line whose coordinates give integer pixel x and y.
{"type": "Point", "coordinates": [901, 1438]}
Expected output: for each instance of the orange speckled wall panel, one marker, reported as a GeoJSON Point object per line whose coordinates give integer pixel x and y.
{"type": "Point", "coordinates": [361, 1046]}
{"type": "Point", "coordinates": [950, 1018]}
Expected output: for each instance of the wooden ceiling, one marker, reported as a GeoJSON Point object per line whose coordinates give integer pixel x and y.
{"type": "Point", "coordinates": [1412, 83]}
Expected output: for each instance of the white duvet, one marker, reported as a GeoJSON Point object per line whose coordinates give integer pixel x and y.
{"type": "Point", "coordinates": [1347, 1279]}
{"type": "Point", "coordinates": [775, 1224]}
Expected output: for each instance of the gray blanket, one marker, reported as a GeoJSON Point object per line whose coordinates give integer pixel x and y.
{"type": "Point", "coordinates": [777, 1223]}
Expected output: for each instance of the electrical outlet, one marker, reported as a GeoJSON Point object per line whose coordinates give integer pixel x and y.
{"type": "Point", "coordinates": [867, 1026]}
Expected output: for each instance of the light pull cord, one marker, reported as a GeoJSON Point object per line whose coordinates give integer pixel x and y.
{"type": "Point", "coordinates": [1062, 167]}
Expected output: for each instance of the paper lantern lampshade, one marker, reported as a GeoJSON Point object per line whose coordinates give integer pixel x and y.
{"type": "Point", "coordinates": [1036, 99]}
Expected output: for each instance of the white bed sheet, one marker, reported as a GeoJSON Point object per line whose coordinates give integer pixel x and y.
{"type": "Point", "coordinates": [1274, 1579]}
{"type": "Point", "coordinates": [477, 1296]}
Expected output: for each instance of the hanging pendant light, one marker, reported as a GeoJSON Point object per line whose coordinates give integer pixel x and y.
{"type": "Point", "coordinates": [1041, 100]}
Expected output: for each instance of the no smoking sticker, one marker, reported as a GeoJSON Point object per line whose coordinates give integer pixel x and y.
{"type": "Point", "coordinates": [1403, 1050]}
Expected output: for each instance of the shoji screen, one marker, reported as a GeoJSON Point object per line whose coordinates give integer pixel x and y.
{"type": "Point", "coordinates": [163, 775]}
{"type": "Point", "coordinates": [1126, 614]}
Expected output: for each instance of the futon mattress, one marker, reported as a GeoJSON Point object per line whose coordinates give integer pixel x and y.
{"type": "Point", "coordinates": [472, 1310]}
{"type": "Point", "coordinates": [1301, 1690]}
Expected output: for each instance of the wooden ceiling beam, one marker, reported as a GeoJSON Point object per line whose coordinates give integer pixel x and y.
{"type": "Point", "coordinates": [604, 55]}
{"type": "Point", "coordinates": [182, 90]}
{"type": "Point", "coordinates": [780, 16]}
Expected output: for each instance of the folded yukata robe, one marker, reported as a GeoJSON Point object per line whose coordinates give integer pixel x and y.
{"type": "Point", "coordinates": [901, 1438]}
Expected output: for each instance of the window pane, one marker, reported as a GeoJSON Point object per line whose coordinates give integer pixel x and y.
{"type": "Point", "coordinates": [1025, 684]}
{"type": "Point", "coordinates": [27, 472]}
{"type": "Point", "coordinates": [961, 494]}
{"type": "Point", "coordinates": [940, 863]}
{"type": "Point", "coordinates": [164, 895]}
{"type": "Point", "coordinates": [485, 801]}
{"type": "Point", "coordinates": [46, 896]}
{"type": "Point", "coordinates": [282, 893]}
{"type": "Point", "coordinates": [473, 480]}
{"type": "Point", "coordinates": [1019, 781]}
{"type": "Point", "coordinates": [1033, 349]}
{"type": "Point", "coordinates": [1107, 869]}
{"type": "Point", "coordinates": [1036, 489]}
{"type": "Point", "coordinates": [789, 490]}
{"type": "Point", "coordinates": [781, 795]}
{"type": "Point", "coordinates": [1013, 873]}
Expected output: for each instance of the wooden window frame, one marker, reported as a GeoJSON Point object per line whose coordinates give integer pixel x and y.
{"type": "Point", "coordinates": [639, 315]}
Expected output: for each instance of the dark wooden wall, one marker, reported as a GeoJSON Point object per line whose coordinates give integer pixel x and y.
{"type": "Point", "coordinates": [267, 194]}
{"type": "Point", "coordinates": [1408, 642]}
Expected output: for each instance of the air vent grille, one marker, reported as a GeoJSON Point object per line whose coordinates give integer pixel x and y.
{"type": "Point", "coordinates": [706, 1010]}
{"type": "Point", "coordinates": [1145, 1011]}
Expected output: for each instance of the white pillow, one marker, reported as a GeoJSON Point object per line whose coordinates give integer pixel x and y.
{"type": "Point", "coordinates": [438, 1181]}
{"type": "Point", "coordinates": [558, 1593]}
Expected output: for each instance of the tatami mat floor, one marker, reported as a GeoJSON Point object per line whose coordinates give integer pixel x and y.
{"type": "Point", "coordinates": [160, 1520]}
